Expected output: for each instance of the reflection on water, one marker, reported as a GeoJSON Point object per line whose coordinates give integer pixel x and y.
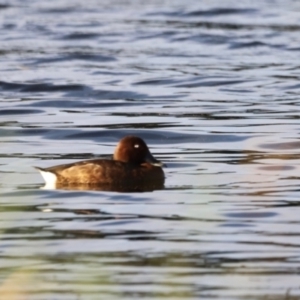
{"type": "Point", "coordinates": [213, 87]}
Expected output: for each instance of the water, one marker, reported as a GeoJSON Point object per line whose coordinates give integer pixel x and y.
{"type": "Point", "coordinates": [213, 87]}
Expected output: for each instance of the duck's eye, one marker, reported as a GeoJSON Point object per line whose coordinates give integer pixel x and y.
{"type": "Point", "coordinates": [136, 146]}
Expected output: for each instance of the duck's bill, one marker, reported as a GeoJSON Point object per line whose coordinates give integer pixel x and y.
{"type": "Point", "coordinates": [158, 164]}
{"type": "Point", "coordinates": [150, 159]}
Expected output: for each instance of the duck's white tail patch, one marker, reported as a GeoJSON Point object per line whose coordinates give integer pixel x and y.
{"type": "Point", "coordinates": [50, 179]}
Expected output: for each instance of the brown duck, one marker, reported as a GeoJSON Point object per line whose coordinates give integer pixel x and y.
{"type": "Point", "coordinates": [133, 168]}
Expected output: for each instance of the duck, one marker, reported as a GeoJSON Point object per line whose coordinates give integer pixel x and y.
{"type": "Point", "coordinates": [132, 168]}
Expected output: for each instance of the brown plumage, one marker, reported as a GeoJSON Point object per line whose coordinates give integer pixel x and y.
{"type": "Point", "coordinates": [133, 168]}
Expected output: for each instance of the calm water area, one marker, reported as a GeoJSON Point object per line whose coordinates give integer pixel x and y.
{"type": "Point", "coordinates": [213, 88]}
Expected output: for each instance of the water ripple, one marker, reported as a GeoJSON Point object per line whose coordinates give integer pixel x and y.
{"type": "Point", "coordinates": [212, 88]}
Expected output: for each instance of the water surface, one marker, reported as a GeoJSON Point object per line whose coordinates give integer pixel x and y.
{"type": "Point", "coordinates": [212, 87]}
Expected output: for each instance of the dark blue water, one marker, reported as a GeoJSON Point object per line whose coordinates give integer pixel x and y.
{"type": "Point", "coordinates": [213, 87]}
